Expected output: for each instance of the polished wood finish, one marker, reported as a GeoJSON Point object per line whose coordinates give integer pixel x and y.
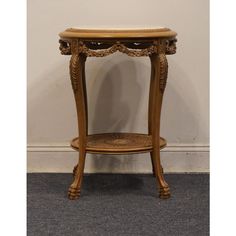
{"type": "Point", "coordinates": [154, 43]}
{"type": "Point", "coordinates": [118, 143]}
{"type": "Point", "coordinates": [158, 81]}
{"type": "Point", "coordinates": [77, 64]}
{"type": "Point", "coordinates": [117, 33]}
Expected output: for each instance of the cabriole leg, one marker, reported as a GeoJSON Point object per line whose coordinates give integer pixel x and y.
{"type": "Point", "coordinates": [157, 86]}
{"type": "Point", "coordinates": [77, 74]}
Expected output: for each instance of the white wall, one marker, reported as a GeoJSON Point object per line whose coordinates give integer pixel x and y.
{"type": "Point", "coordinates": [118, 85]}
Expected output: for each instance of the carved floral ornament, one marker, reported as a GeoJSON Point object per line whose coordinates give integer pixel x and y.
{"type": "Point", "coordinates": [101, 49]}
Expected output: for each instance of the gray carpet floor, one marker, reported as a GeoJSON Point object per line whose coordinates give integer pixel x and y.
{"type": "Point", "coordinates": [118, 205]}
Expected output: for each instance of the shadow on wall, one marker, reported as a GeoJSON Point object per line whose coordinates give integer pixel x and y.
{"type": "Point", "coordinates": [117, 98]}
{"type": "Point", "coordinates": [114, 105]}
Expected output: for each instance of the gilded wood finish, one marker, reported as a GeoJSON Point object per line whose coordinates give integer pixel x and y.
{"type": "Point", "coordinates": [156, 44]}
{"type": "Point", "coordinates": [117, 33]}
{"type": "Point", "coordinates": [101, 49]}
{"type": "Point", "coordinates": [158, 81]}
{"type": "Point", "coordinates": [77, 64]}
{"type": "Point", "coordinates": [118, 143]}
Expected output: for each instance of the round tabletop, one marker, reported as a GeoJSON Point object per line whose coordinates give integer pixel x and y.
{"type": "Point", "coordinates": [118, 33]}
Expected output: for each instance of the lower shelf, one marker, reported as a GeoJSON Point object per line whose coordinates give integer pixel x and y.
{"type": "Point", "coordinates": [118, 143]}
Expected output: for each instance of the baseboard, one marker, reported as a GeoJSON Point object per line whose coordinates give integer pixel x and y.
{"type": "Point", "coordinates": [61, 158]}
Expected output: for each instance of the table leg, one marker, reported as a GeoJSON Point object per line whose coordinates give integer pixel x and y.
{"type": "Point", "coordinates": [151, 107]}
{"type": "Point", "coordinates": [86, 107]}
{"type": "Point", "coordinates": [158, 79]}
{"type": "Point", "coordinates": [77, 74]}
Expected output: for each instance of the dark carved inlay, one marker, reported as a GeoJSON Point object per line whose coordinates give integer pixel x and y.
{"type": "Point", "coordinates": [105, 50]}
{"type": "Point", "coordinates": [65, 47]}
{"type": "Point", "coordinates": [171, 46]}
{"type": "Point", "coordinates": [101, 49]}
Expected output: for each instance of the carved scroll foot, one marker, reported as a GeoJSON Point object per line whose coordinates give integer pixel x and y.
{"type": "Point", "coordinates": [164, 192]}
{"type": "Point", "coordinates": [73, 192]}
{"type": "Point", "coordinates": [75, 187]}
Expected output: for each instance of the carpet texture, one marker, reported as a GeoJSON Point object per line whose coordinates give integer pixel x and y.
{"type": "Point", "coordinates": [118, 205]}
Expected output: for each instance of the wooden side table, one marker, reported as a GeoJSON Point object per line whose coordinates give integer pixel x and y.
{"type": "Point", "coordinates": [154, 43]}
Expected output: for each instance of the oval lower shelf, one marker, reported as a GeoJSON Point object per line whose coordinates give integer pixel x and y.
{"type": "Point", "coordinates": [118, 143]}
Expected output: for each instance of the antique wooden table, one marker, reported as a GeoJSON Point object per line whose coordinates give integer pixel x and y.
{"type": "Point", "coordinates": [154, 43]}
